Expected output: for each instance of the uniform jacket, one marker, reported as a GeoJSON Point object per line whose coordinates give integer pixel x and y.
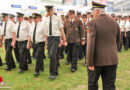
{"type": "Point", "coordinates": [103, 41]}
{"type": "Point", "coordinates": [74, 31]}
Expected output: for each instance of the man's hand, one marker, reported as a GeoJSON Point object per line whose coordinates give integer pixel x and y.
{"type": "Point", "coordinates": [65, 44]}
{"type": "Point", "coordinates": [0, 44]}
{"type": "Point", "coordinates": [91, 68]}
{"type": "Point", "coordinates": [83, 43]}
{"type": "Point", "coordinates": [13, 44]}
{"type": "Point", "coordinates": [29, 46]}
{"type": "Point", "coordinates": [125, 35]}
{"type": "Point", "coordinates": [46, 46]}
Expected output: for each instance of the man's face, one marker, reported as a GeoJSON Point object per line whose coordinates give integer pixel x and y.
{"type": "Point", "coordinates": [36, 20]}
{"type": "Point", "coordinates": [20, 19]}
{"type": "Point", "coordinates": [6, 18]}
{"type": "Point", "coordinates": [30, 20]}
{"type": "Point", "coordinates": [95, 13]}
{"type": "Point", "coordinates": [12, 19]}
{"type": "Point", "coordinates": [50, 13]}
{"type": "Point", "coordinates": [88, 16]}
{"type": "Point", "coordinates": [84, 19]}
{"type": "Point", "coordinates": [71, 15]}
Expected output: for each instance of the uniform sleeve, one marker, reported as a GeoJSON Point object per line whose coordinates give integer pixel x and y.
{"type": "Point", "coordinates": [60, 23]}
{"type": "Point", "coordinates": [91, 43]}
{"type": "Point", "coordinates": [12, 27]}
{"type": "Point", "coordinates": [28, 27]}
{"type": "Point", "coordinates": [82, 31]}
{"type": "Point", "coordinates": [2, 30]}
{"type": "Point", "coordinates": [45, 27]}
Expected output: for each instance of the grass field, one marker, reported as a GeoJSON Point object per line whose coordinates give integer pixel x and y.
{"type": "Point", "coordinates": [66, 80]}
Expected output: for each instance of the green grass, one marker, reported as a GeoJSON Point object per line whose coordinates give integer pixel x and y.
{"type": "Point", "coordinates": [66, 80]}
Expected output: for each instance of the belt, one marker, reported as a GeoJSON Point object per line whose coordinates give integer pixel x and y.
{"type": "Point", "coordinates": [8, 39]}
{"type": "Point", "coordinates": [39, 43]}
{"type": "Point", "coordinates": [22, 41]}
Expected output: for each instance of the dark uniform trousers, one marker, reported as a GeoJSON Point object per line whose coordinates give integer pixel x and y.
{"type": "Point", "coordinates": [23, 55]}
{"type": "Point", "coordinates": [122, 39]}
{"type": "Point", "coordinates": [84, 51]}
{"type": "Point", "coordinates": [129, 38]}
{"type": "Point", "coordinates": [1, 61]}
{"type": "Point", "coordinates": [53, 45]}
{"type": "Point", "coordinates": [39, 56]}
{"type": "Point", "coordinates": [9, 57]}
{"type": "Point", "coordinates": [29, 56]}
{"type": "Point", "coordinates": [127, 41]}
{"type": "Point", "coordinates": [16, 51]}
{"type": "Point", "coordinates": [34, 51]}
{"type": "Point", "coordinates": [108, 75]}
{"type": "Point", "coordinates": [73, 54]}
{"type": "Point", "coordinates": [62, 52]}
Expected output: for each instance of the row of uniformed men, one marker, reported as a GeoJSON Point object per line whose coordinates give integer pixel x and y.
{"type": "Point", "coordinates": [52, 31]}
{"type": "Point", "coordinates": [124, 23]}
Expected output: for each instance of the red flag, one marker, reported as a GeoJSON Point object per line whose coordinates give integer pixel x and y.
{"type": "Point", "coordinates": [1, 79]}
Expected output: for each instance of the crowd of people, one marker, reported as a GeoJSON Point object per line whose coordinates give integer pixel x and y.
{"type": "Point", "coordinates": [59, 35]}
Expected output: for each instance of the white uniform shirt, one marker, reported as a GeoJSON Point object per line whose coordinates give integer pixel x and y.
{"type": "Point", "coordinates": [9, 29]}
{"type": "Point", "coordinates": [122, 25]}
{"type": "Point", "coordinates": [40, 34]}
{"type": "Point", "coordinates": [127, 26]}
{"type": "Point", "coordinates": [24, 30]}
{"type": "Point", "coordinates": [56, 25]}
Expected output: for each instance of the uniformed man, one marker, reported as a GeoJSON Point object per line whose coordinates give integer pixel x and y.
{"type": "Point", "coordinates": [127, 30]}
{"type": "Point", "coordinates": [42, 21]}
{"type": "Point", "coordinates": [121, 23]}
{"type": "Point", "coordinates": [75, 37]}
{"type": "Point", "coordinates": [84, 17]}
{"type": "Point", "coordinates": [89, 17]}
{"type": "Point", "coordinates": [54, 30]}
{"type": "Point", "coordinates": [103, 44]}
{"type": "Point", "coordinates": [0, 46]}
{"type": "Point", "coordinates": [16, 49]}
{"type": "Point", "coordinates": [21, 33]}
{"type": "Point", "coordinates": [37, 36]}
{"type": "Point", "coordinates": [30, 19]}
{"type": "Point", "coordinates": [7, 33]}
{"type": "Point", "coordinates": [1, 62]}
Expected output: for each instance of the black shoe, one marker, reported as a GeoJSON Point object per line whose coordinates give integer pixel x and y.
{"type": "Point", "coordinates": [85, 64]}
{"type": "Point", "coordinates": [20, 71]}
{"type": "Point", "coordinates": [126, 49]}
{"type": "Point", "coordinates": [42, 70]}
{"type": "Point", "coordinates": [29, 62]}
{"type": "Point", "coordinates": [13, 67]}
{"type": "Point", "coordinates": [4, 63]}
{"type": "Point", "coordinates": [7, 69]}
{"type": "Point", "coordinates": [36, 73]}
{"type": "Point", "coordinates": [52, 77]}
{"type": "Point", "coordinates": [73, 70]}
{"type": "Point", "coordinates": [25, 69]}
{"type": "Point", "coordinates": [67, 63]}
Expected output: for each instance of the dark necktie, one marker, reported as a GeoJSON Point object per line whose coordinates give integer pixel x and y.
{"type": "Point", "coordinates": [18, 30]}
{"type": "Point", "coordinates": [34, 33]}
{"type": "Point", "coordinates": [50, 27]}
{"type": "Point", "coordinates": [84, 24]}
{"type": "Point", "coordinates": [5, 28]}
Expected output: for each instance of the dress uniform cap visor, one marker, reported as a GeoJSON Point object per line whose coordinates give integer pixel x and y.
{"type": "Point", "coordinates": [19, 14]}
{"type": "Point", "coordinates": [97, 5]}
{"type": "Point", "coordinates": [36, 15]}
{"type": "Point", "coordinates": [4, 14]}
{"type": "Point", "coordinates": [48, 8]}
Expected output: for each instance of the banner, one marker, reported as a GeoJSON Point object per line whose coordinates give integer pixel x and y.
{"type": "Point", "coordinates": [110, 6]}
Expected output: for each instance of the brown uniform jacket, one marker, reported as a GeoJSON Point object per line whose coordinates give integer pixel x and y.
{"type": "Point", "coordinates": [74, 31]}
{"type": "Point", "coordinates": [103, 41]}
